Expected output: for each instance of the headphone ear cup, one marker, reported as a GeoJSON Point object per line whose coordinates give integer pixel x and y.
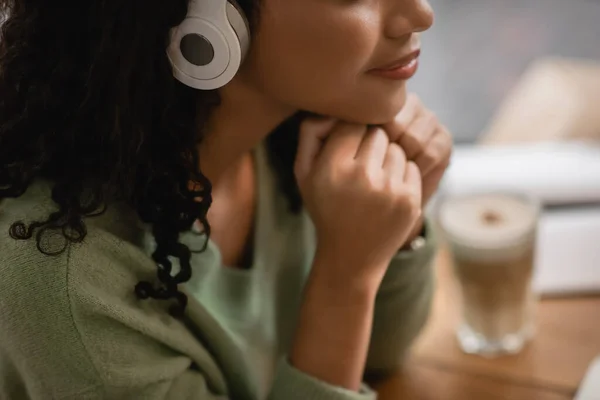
{"type": "Point", "coordinates": [208, 47]}
{"type": "Point", "coordinates": [239, 23]}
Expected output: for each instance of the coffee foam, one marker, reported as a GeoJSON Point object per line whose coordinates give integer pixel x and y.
{"type": "Point", "coordinates": [489, 226]}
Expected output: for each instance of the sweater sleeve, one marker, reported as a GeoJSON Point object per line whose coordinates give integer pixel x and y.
{"type": "Point", "coordinates": [402, 305]}
{"type": "Point", "coordinates": [292, 384]}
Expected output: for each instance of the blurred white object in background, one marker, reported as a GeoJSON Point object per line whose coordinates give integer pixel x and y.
{"type": "Point", "coordinates": [554, 172]}
{"type": "Point", "coordinates": [590, 386]}
{"type": "Point", "coordinates": [568, 252]}
{"type": "Point", "coordinates": [565, 174]}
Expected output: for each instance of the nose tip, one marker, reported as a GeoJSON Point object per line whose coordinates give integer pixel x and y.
{"type": "Point", "coordinates": [423, 16]}
{"type": "Point", "coordinates": [410, 16]}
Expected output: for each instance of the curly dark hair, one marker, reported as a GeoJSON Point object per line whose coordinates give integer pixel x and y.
{"type": "Point", "coordinates": [88, 102]}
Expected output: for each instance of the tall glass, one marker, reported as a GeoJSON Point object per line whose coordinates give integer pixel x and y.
{"type": "Point", "coordinates": [492, 240]}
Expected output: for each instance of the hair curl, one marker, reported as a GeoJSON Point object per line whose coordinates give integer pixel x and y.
{"type": "Point", "coordinates": [88, 102]}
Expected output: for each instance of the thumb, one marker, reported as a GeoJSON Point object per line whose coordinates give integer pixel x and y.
{"type": "Point", "coordinates": [313, 133]}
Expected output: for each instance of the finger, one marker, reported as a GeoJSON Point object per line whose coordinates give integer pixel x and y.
{"type": "Point", "coordinates": [395, 161]}
{"type": "Point", "coordinates": [399, 125]}
{"type": "Point", "coordinates": [437, 151]}
{"type": "Point", "coordinates": [432, 181]}
{"type": "Point", "coordinates": [343, 143]}
{"type": "Point", "coordinates": [313, 132]}
{"type": "Point", "coordinates": [418, 134]}
{"type": "Point", "coordinates": [412, 177]}
{"type": "Point", "coordinates": [373, 148]}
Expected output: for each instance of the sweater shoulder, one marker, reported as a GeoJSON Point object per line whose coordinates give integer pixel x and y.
{"type": "Point", "coordinates": [50, 302]}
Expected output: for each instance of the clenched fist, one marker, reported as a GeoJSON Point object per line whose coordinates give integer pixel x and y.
{"type": "Point", "coordinates": [424, 140]}
{"type": "Point", "coordinates": [362, 193]}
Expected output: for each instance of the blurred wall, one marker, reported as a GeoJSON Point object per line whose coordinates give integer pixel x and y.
{"type": "Point", "coordinates": [478, 49]}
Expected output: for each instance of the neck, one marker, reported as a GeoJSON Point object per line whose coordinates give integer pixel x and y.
{"type": "Point", "coordinates": [242, 120]}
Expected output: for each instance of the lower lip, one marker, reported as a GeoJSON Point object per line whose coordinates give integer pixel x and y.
{"type": "Point", "coordinates": [401, 73]}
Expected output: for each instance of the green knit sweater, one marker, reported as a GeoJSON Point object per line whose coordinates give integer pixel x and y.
{"type": "Point", "coordinates": [71, 326]}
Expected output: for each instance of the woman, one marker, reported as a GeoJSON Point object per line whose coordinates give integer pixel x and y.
{"type": "Point", "coordinates": [121, 122]}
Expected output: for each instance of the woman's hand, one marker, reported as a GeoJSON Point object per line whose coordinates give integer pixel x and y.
{"type": "Point", "coordinates": [424, 140]}
{"type": "Point", "coordinates": [362, 194]}
{"type": "Point", "coordinates": [364, 199]}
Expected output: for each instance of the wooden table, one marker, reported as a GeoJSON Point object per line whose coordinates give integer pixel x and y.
{"type": "Point", "coordinates": [551, 367]}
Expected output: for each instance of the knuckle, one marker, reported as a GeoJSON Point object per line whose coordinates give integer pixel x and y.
{"type": "Point", "coordinates": [363, 175]}
{"type": "Point", "coordinates": [334, 172]}
{"type": "Point", "coordinates": [306, 125]}
{"type": "Point", "coordinates": [445, 146]}
{"type": "Point", "coordinates": [408, 203]}
{"type": "Point", "coordinates": [389, 187]}
{"type": "Point", "coordinates": [411, 200]}
{"type": "Point", "coordinates": [375, 135]}
{"type": "Point", "coordinates": [415, 167]}
{"type": "Point", "coordinates": [429, 157]}
{"type": "Point", "coordinates": [437, 149]}
{"type": "Point", "coordinates": [447, 150]}
{"type": "Point", "coordinates": [416, 140]}
{"type": "Point", "coordinates": [342, 169]}
{"type": "Point", "coordinates": [401, 126]}
{"type": "Point", "coordinates": [380, 133]}
{"type": "Point", "coordinates": [396, 151]}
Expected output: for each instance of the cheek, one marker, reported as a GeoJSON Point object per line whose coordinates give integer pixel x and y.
{"type": "Point", "coordinates": [305, 51]}
{"type": "Point", "coordinates": [319, 64]}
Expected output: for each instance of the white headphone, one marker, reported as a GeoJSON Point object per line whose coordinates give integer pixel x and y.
{"type": "Point", "coordinates": [208, 47]}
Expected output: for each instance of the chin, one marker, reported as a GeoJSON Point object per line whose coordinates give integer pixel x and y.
{"type": "Point", "coordinates": [376, 112]}
{"type": "Point", "coordinates": [375, 109]}
{"type": "Point", "coordinates": [383, 114]}
{"type": "Point", "coordinates": [374, 106]}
